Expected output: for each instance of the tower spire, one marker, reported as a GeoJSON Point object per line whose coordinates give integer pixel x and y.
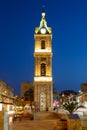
{"type": "Point", "coordinates": [43, 20]}
{"type": "Point", "coordinates": [43, 11]}
{"type": "Point", "coordinates": [43, 23]}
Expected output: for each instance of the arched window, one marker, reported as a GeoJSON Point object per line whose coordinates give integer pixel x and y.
{"type": "Point", "coordinates": [43, 69]}
{"type": "Point", "coordinates": [42, 44]}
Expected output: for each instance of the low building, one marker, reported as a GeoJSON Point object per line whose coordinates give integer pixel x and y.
{"type": "Point", "coordinates": [6, 96]}
{"type": "Point", "coordinates": [82, 96]}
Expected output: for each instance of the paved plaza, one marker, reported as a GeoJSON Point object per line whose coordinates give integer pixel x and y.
{"type": "Point", "coordinates": [42, 121]}
{"type": "Point", "coordinates": [33, 125]}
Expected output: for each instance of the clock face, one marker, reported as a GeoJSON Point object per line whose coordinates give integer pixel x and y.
{"type": "Point", "coordinates": [43, 30]}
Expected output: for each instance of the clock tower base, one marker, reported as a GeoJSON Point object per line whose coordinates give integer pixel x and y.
{"type": "Point", "coordinates": [43, 96]}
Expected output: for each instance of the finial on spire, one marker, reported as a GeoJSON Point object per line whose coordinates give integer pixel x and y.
{"type": "Point", "coordinates": [43, 14]}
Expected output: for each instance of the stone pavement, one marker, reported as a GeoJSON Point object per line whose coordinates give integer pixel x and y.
{"type": "Point", "coordinates": [33, 125]}
{"type": "Point", "coordinates": [43, 121]}
{"type": "Point", "coordinates": [84, 122]}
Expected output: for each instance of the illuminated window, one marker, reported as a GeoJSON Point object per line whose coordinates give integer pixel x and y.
{"type": "Point", "coordinates": [42, 44]}
{"type": "Point", "coordinates": [43, 69]}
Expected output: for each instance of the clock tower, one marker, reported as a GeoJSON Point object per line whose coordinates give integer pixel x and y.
{"type": "Point", "coordinates": [43, 81]}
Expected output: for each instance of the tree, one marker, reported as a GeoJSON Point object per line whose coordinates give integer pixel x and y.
{"type": "Point", "coordinates": [70, 106]}
{"type": "Point", "coordinates": [55, 93]}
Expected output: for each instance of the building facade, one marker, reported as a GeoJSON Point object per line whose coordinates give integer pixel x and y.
{"type": "Point", "coordinates": [6, 95]}
{"type": "Point", "coordinates": [84, 87]}
{"type": "Point", "coordinates": [82, 96]}
{"type": "Point", "coordinates": [25, 86]}
{"type": "Point", "coordinates": [43, 80]}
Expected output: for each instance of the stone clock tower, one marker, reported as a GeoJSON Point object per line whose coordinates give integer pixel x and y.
{"type": "Point", "coordinates": [43, 82]}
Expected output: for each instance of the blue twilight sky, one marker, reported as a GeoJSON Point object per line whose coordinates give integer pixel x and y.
{"type": "Point", "coordinates": [68, 19]}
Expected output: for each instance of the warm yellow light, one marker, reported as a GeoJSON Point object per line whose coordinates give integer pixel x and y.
{"type": "Point", "coordinates": [42, 50]}
{"type": "Point", "coordinates": [8, 107]}
{"type": "Point", "coordinates": [0, 106]}
{"type": "Point", "coordinates": [10, 119]}
{"type": "Point", "coordinates": [11, 112]}
{"type": "Point", "coordinates": [43, 79]}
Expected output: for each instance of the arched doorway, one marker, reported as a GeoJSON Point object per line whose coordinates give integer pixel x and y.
{"type": "Point", "coordinates": [42, 101]}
